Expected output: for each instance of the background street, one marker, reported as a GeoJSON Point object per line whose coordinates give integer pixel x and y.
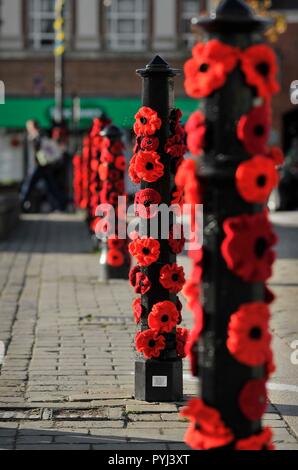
{"type": "Point", "coordinates": [67, 378]}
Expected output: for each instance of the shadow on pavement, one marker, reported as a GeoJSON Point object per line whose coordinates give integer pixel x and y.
{"type": "Point", "coordinates": [51, 439]}
{"type": "Point", "coordinates": [63, 235]}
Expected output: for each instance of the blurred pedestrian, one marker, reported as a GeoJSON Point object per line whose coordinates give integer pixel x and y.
{"type": "Point", "coordinates": [42, 153]}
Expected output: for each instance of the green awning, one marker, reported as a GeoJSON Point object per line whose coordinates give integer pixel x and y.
{"type": "Point", "coordinates": [16, 111]}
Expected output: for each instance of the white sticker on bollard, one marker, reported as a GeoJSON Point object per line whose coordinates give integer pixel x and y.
{"type": "Point", "coordinates": [160, 381]}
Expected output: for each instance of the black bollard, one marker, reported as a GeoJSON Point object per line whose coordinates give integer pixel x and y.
{"type": "Point", "coordinates": [114, 259]}
{"type": "Point", "coordinates": [236, 173]}
{"type": "Point", "coordinates": [158, 374]}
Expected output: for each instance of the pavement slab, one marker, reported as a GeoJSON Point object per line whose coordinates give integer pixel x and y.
{"type": "Point", "coordinates": [66, 381]}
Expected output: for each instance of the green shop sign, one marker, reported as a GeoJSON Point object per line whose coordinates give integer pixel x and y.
{"type": "Point", "coordinates": [16, 111]}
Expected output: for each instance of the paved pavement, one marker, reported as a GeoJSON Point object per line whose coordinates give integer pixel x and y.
{"type": "Point", "coordinates": [67, 378]}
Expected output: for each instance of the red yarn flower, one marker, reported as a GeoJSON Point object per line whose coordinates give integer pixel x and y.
{"type": "Point", "coordinates": [248, 334]}
{"type": "Point", "coordinates": [103, 171]}
{"type": "Point", "coordinates": [247, 248]}
{"type": "Point", "coordinates": [145, 250]}
{"type": "Point", "coordinates": [196, 133]}
{"type": "Point", "coordinates": [114, 242]}
{"type": "Point", "coordinates": [147, 122]}
{"type": "Point", "coordinates": [150, 343]}
{"type": "Point", "coordinates": [253, 399]}
{"type": "Point", "coordinates": [146, 203]}
{"type": "Point", "coordinates": [115, 258]}
{"type": "Point", "coordinates": [148, 166]}
{"type": "Point", "coordinates": [120, 163]}
{"type": "Point", "coordinates": [132, 171]}
{"type": "Point", "coordinates": [175, 146]}
{"type": "Point", "coordinates": [208, 69]}
{"type": "Point", "coordinates": [143, 284]}
{"type": "Point", "coordinates": [207, 430]}
{"type": "Point", "coordinates": [260, 67]}
{"type": "Point", "coordinates": [262, 441]}
{"type": "Point", "coordinates": [177, 197]}
{"type": "Point", "coordinates": [277, 156]}
{"type": "Point", "coordinates": [164, 317]}
{"type": "Point", "coordinates": [254, 129]}
{"type": "Point", "coordinates": [133, 275]}
{"type": "Point", "coordinates": [172, 278]}
{"type": "Point", "coordinates": [137, 310]}
{"type": "Point", "coordinates": [150, 143]}
{"type": "Point", "coordinates": [182, 335]}
{"type": "Point", "coordinates": [256, 178]}
{"type": "Point", "coordinates": [186, 180]}
{"type": "Point", "coordinates": [176, 244]}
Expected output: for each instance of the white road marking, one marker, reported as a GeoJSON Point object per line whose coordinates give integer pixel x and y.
{"type": "Point", "coordinates": [282, 387]}
{"type": "Point", "coordinates": [2, 352]}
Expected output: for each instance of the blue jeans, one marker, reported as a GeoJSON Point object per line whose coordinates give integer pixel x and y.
{"type": "Point", "coordinates": [45, 174]}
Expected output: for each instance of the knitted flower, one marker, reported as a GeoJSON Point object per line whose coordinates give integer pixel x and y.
{"type": "Point", "coordinates": [248, 334]}
{"type": "Point", "coordinates": [254, 128]}
{"type": "Point", "coordinates": [172, 278]}
{"type": "Point", "coordinates": [253, 399]}
{"type": "Point", "coordinates": [176, 239]}
{"type": "Point", "coordinates": [147, 202]}
{"type": "Point", "coordinates": [145, 250]}
{"type": "Point", "coordinates": [150, 344]}
{"type": "Point", "coordinates": [276, 155]}
{"type": "Point", "coordinates": [103, 171]}
{"type": "Point", "coordinates": [182, 335]}
{"type": "Point", "coordinates": [256, 179]}
{"type": "Point", "coordinates": [150, 143]}
{"type": "Point", "coordinates": [196, 133]}
{"type": "Point", "coordinates": [143, 284]}
{"type": "Point", "coordinates": [175, 146]}
{"type": "Point", "coordinates": [148, 166]}
{"type": "Point", "coordinates": [208, 69]}
{"type": "Point", "coordinates": [207, 430]}
{"type": "Point", "coordinates": [114, 242]}
{"type": "Point", "coordinates": [132, 171]}
{"type": "Point", "coordinates": [147, 122]}
{"type": "Point", "coordinates": [115, 258]}
{"type": "Point", "coordinates": [262, 441]}
{"type": "Point", "coordinates": [120, 163]}
{"type": "Point", "coordinates": [137, 310]}
{"type": "Point", "coordinates": [260, 67]}
{"type": "Point", "coordinates": [163, 317]}
{"type": "Point", "coordinates": [247, 248]}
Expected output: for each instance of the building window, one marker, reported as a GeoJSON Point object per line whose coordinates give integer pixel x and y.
{"type": "Point", "coordinates": [190, 8]}
{"type": "Point", "coordinates": [127, 24]}
{"type": "Point", "coordinates": [41, 17]}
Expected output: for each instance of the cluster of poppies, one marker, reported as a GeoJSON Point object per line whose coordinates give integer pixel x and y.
{"type": "Point", "coordinates": [146, 165]}
{"type": "Point", "coordinates": [96, 143]}
{"type": "Point", "coordinates": [111, 170]}
{"type": "Point", "coordinates": [248, 242]}
{"type": "Point", "coordinates": [77, 180]}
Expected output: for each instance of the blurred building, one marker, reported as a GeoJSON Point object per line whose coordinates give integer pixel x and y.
{"type": "Point", "coordinates": [106, 41]}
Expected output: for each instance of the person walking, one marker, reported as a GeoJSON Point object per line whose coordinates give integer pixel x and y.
{"type": "Point", "coordinates": [41, 153]}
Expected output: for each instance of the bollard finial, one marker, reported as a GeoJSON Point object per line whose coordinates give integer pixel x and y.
{"type": "Point", "coordinates": [228, 8]}
{"type": "Point", "coordinates": [233, 16]}
{"type": "Point", "coordinates": [158, 65]}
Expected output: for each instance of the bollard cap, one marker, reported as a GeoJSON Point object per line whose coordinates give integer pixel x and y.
{"type": "Point", "coordinates": [233, 16]}
{"type": "Point", "coordinates": [112, 132]}
{"type": "Point", "coordinates": [158, 65]}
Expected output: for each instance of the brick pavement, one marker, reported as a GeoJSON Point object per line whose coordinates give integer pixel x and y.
{"type": "Point", "coordinates": [67, 378]}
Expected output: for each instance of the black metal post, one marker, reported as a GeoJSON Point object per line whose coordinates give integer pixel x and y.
{"type": "Point", "coordinates": [159, 380]}
{"type": "Point", "coordinates": [59, 27]}
{"type": "Point", "coordinates": [232, 386]}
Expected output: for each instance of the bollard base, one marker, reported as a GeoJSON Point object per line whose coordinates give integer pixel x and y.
{"type": "Point", "coordinates": [159, 381]}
